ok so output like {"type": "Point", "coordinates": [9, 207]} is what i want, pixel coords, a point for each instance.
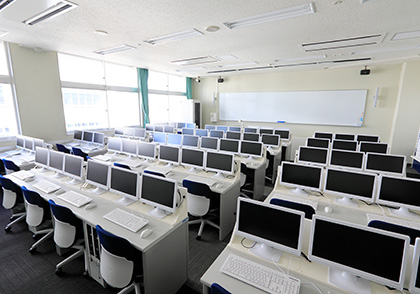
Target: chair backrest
{"type": "Point", "coordinates": [10, 166]}
{"type": "Point", "coordinates": [307, 209]}
{"type": "Point", "coordinates": [62, 148]}
{"type": "Point", "coordinates": [12, 194]}
{"type": "Point", "coordinates": [412, 233]}
{"type": "Point", "coordinates": [121, 165]}
{"type": "Point", "coordinates": [217, 289]}
{"type": "Point", "coordinates": [199, 197]}
{"type": "Point", "coordinates": [117, 259]}
{"type": "Point", "coordinates": [154, 173]}
{"type": "Point", "coordinates": [37, 209]}
{"type": "Point", "coordinates": [79, 152]}
{"type": "Point", "coordinates": [2, 170]}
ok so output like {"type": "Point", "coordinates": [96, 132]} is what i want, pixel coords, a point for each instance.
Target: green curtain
{"type": "Point", "coordinates": [189, 88]}
{"type": "Point", "coordinates": [143, 75]}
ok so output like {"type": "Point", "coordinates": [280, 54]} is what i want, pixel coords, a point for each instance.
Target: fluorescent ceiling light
{"type": "Point", "coordinates": [239, 64]}
{"type": "Point", "coordinates": [3, 33]}
{"type": "Point", "coordinates": [51, 12]}
{"type": "Point", "coordinates": [227, 57]}
{"type": "Point", "coordinates": [114, 49]}
{"type": "Point", "coordinates": [406, 35]}
{"type": "Point", "coordinates": [301, 58]}
{"type": "Point", "coordinates": [195, 60]}
{"type": "Point", "coordinates": [385, 50]}
{"type": "Point", "coordinates": [174, 37]}
{"type": "Point", "coordinates": [271, 16]}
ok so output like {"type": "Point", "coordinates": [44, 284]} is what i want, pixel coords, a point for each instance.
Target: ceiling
{"type": "Point", "coordinates": [295, 43]}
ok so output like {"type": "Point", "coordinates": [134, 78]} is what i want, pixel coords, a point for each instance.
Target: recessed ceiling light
{"type": "Point", "coordinates": [227, 57]}
{"type": "Point", "coordinates": [337, 2]}
{"type": "Point", "coordinates": [301, 58]}
{"type": "Point", "coordinates": [114, 49]}
{"type": "Point", "coordinates": [174, 37]}
{"type": "Point", "coordinates": [406, 35]}
{"type": "Point", "coordinates": [212, 29]}
{"type": "Point", "coordinates": [383, 50]}
{"type": "Point", "coordinates": [3, 33]}
{"type": "Point", "coordinates": [100, 33]}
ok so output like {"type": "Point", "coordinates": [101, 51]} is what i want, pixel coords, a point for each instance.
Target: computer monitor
{"type": "Point", "coordinates": [114, 144]}
{"type": "Point", "coordinates": [180, 125]}
{"type": "Point", "coordinates": [56, 162]}
{"type": "Point", "coordinates": [193, 158]}
{"type": "Point", "coordinates": [347, 159]}
{"type": "Point", "coordinates": [118, 131]}
{"type": "Point", "coordinates": [222, 128]}
{"type": "Point", "coordinates": [159, 128]}
{"type": "Point", "coordinates": [42, 157]}
{"type": "Point", "coordinates": [77, 135]}
{"type": "Point", "coordinates": [228, 145]}
{"type": "Point", "coordinates": [73, 168]}
{"type": "Point", "coordinates": [190, 125]}
{"type": "Point", "coordinates": [367, 138]}
{"type": "Point", "coordinates": [344, 145]}
{"type": "Point", "coordinates": [322, 135]}
{"type": "Point", "coordinates": [147, 150]}
{"type": "Point", "coordinates": [99, 138]}
{"type": "Point", "coordinates": [252, 149]}
{"type": "Point", "coordinates": [301, 177]}
{"type": "Point", "coordinates": [191, 141]}
{"type": "Point", "coordinates": [313, 155]}
{"type": "Point", "coordinates": [220, 163]}
{"type": "Point", "coordinates": [201, 132]}
{"type": "Point", "coordinates": [129, 147]}
{"type": "Point", "coordinates": [186, 131]}
{"type": "Point", "coordinates": [174, 139]}
{"type": "Point", "coordinates": [210, 127]}
{"type": "Point", "coordinates": [20, 142]}
{"type": "Point", "coordinates": [271, 140]}
{"type": "Point", "coordinates": [169, 154]}
{"type": "Point", "coordinates": [233, 135]}
{"type": "Point", "coordinates": [209, 143]}
{"type": "Point", "coordinates": [283, 133]}
{"type": "Point", "coordinates": [356, 253]}
{"type": "Point", "coordinates": [345, 137]}
{"type": "Point", "coordinates": [124, 182]}
{"type": "Point", "coordinates": [216, 134]}
{"type": "Point", "coordinates": [350, 185]}
{"type": "Point", "coordinates": [97, 175]}
{"type": "Point", "coordinates": [385, 163]}
{"type": "Point", "coordinates": [159, 192]}
{"type": "Point", "coordinates": [150, 127]}
{"type": "Point", "coordinates": [159, 137]}
{"type": "Point", "coordinates": [251, 130]}
{"type": "Point", "coordinates": [251, 137]}
{"type": "Point", "coordinates": [414, 286]}
{"type": "Point", "coordinates": [29, 143]}
{"type": "Point", "coordinates": [168, 129]}
{"type": "Point", "coordinates": [129, 132]}
{"type": "Point", "coordinates": [274, 228]}
{"type": "Point", "coordinates": [318, 142]}
{"type": "Point", "coordinates": [373, 147]}
{"type": "Point", "coordinates": [87, 136]}
{"type": "Point", "coordinates": [38, 143]}
{"type": "Point", "coordinates": [400, 192]}
{"type": "Point", "coordinates": [139, 133]}
{"type": "Point", "coordinates": [234, 129]}
{"type": "Point", "coordinates": [267, 131]}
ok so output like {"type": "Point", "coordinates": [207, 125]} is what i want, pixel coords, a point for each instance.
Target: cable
{"type": "Point", "coordinates": [247, 247]}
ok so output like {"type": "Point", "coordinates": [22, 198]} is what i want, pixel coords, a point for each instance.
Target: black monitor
{"type": "Point", "coordinates": [150, 127]}
{"type": "Point", "coordinates": [318, 142]}
{"type": "Point", "coordinates": [77, 134]}
{"type": "Point", "coordinates": [201, 132]}
{"type": "Point", "coordinates": [283, 133]}
{"type": "Point", "coordinates": [159, 128]}
{"type": "Point", "coordinates": [209, 143]}
{"type": "Point", "coordinates": [169, 154]}
{"type": "Point", "coordinates": [228, 145]}
{"type": "Point", "coordinates": [367, 138]}
{"type": "Point", "coordinates": [56, 162]}
{"type": "Point", "coordinates": [119, 131]}
{"type": "Point", "coordinates": [374, 147]}
{"type": "Point", "coordinates": [99, 138]}
{"type": "Point", "coordinates": [356, 253]}
{"type": "Point", "coordinates": [235, 129]}
{"type": "Point", "coordinates": [114, 144]}
{"type": "Point", "coordinates": [251, 137]}
{"type": "Point", "coordinates": [159, 137]}
{"type": "Point", "coordinates": [322, 135]}
{"type": "Point", "coordinates": [29, 143]}
{"type": "Point", "coordinates": [414, 287]}
{"type": "Point", "coordinates": [174, 139]}
{"type": "Point", "coordinates": [87, 136]}
{"type": "Point", "coordinates": [193, 158]}
{"type": "Point", "coordinates": [251, 148]}
{"type": "Point", "coordinates": [191, 141]}
{"type": "Point", "coordinates": [186, 131]}
{"type": "Point", "coordinates": [20, 142]}
{"type": "Point", "coordinates": [344, 145]}
{"type": "Point", "coordinates": [222, 128]}
{"type": "Point", "coordinates": [190, 125]}
{"type": "Point", "coordinates": [129, 147]}
{"type": "Point", "coordinates": [271, 140]}
{"type": "Point", "coordinates": [347, 159]}
{"type": "Point", "coordinates": [210, 127]}
{"type": "Point", "coordinates": [385, 163]}
{"type": "Point", "coordinates": [233, 135]}
{"type": "Point", "coordinates": [124, 182]}
{"type": "Point", "coordinates": [301, 177]}
{"type": "Point", "coordinates": [312, 155]}
{"type": "Point", "coordinates": [180, 125]}
{"type": "Point", "coordinates": [97, 175]}
{"type": "Point", "coordinates": [147, 150]}
{"type": "Point", "coordinates": [250, 130]}
{"type": "Point", "coordinates": [168, 129]}
{"type": "Point", "coordinates": [139, 133]}
{"type": "Point", "coordinates": [42, 156]}
{"type": "Point", "coordinates": [345, 137]}
{"type": "Point", "coordinates": [221, 163]}
{"type": "Point", "coordinates": [73, 167]}
{"type": "Point", "coordinates": [216, 134]}
{"type": "Point", "coordinates": [266, 131]}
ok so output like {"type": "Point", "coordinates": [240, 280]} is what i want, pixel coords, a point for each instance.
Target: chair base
{"type": "Point", "coordinates": [48, 234]}
{"type": "Point", "coordinates": [133, 286]}
{"type": "Point", "coordinates": [78, 253]}
{"type": "Point", "coordinates": [202, 223]}
{"type": "Point", "coordinates": [21, 217]}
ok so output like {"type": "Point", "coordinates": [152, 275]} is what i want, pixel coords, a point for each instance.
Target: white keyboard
{"type": "Point", "coordinates": [260, 276]}
{"type": "Point", "coordinates": [12, 152]}
{"type": "Point", "coordinates": [208, 181]}
{"type": "Point", "coordinates": [313, 204]}
{"type": "Point", "coordinates": [75, 198]}
{"type": "Point", "coordinates": [133, 162]}
{"type": "Point", "coordinates": [162, 169]}
{"type": "Point", "coordinates": [23, 175]}
{"type": "Point", "coordinates": [46, 187]}
{"type": "Point", "coordinates": [401, 222]}
{"type": "Point", "coordinates": [27, 157]}
{"type": "Point", "coordinates": [126, 220]}
{"type": "Point", "coordinates": [72, 144]}
{"type": "Point", "coordinates": [88, 147]}
{"type": "Point", "coordinates": [102, 157]}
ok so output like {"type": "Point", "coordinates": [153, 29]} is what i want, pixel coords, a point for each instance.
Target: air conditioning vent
{"type": "Point", "coordinates": [195, 60]}
{"type": "Point", "coordinates": [5, 3]}
{"type": "Point", "coordinates": [343, 43]}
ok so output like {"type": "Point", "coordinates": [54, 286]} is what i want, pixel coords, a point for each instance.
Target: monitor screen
{"type": "Point", "coordinates": [271, 225]}
{"type": "Point", "coordinates": [251, 148]}
{"type": "Point", "coordinates": [190, 126]}
{"type": "Point", "coordinates": [159, 137]}
{"type": "Point", "coordinates": [228, 145]}
{"type": "Point", "coordinates": [201, 132]}
{"type": "Point", "coordinates": [210, 127]}
{"type": "Point", "coordinates": [216, 134]}
{"type": "Point", "coordinates": [251, 137]}
{"type": "Point", "coordinates": [367, 138]}
{"type": "Point", "coordinates": [123, 182]}
{"type": "Point", "coordinates": [321, 135]}
{"type": "Point", "coordinates": [114, 144]}
{"type": "Point", "coordinates": [219, 162]}
{"type": "Point", "coordinates": [222, 128]}
{"type": "Point", "coordinates": [20, 142]}
{"type": "Point", "coordinates": [147, 150]}
{"type": "Point", "coordinates": [168, 129]}
{"type": "Point", "coordinates": [29, 143]}
{"type": "Point", "coordinates": [284, 134]}
{"type": "Point", "coordinates": [77, 134]}
{"type": "Point", "coordinates": [99, 138]}
{"type": "Point", "coordinates": [374, 147]}
{"type": "Point", "coordinates": [128, 132]}
{"type": "Point", "coordinates": [415, 270]}
{"type": "Point", "coordinates": [250, 130]}
{"type": "Point", "coordinates": [188, 131]}
{"type": "Point", "coordinates": [346, 137]}
{"type": "Point", "coordinates": [139, 133]}
{"type": "Point", "coordinates": [129, 146]}
{"type": "Point", "coordinates": [235, 129]}
{"type": "Point", "coordinates": [56, 160]}
{"type": "Point", "coordinates": [174, 139]}
{"type": "Point", "coordinates": [313, 155]}
{"type": "Point", "coordinates": [119, 131]}
{"type": "Point", "coordinates": [159, 128]}
{"type": "Point", "coordinates": [385, 163]}
{"type": "Point", "coordinates": [169, 154]}
{"type": "Point", "coordinates": [159, 192]}
{"type": "Point", "coordinates": [358, 250]}
{"type": "Point", "coordinates": [318, 142]}
{"type": "Point", "coordinates": [42, 156]}
{"type": "Point", "coordinates": [266, 131]}
{"type": "Point", "coordinates": [233, 135]}
{"type": "Point", "coordinates": [347, 159]}
{"type": "Point", "coordinates": [301, 176]}
{"type": "Point", "coordinates": [192, 157]}
{"type": "Point", "coordinates": [180, 125]}
{"type": "Point", "coordinates": [271, 140]}
{"type": "Point", "coordinates": [97, 173]}
{"type": "Point", "coordinates": [38, 143]}
{"type": "Point", "coordinates": [191, 141]}
{"type": "Point", "coordinates": [150, 127]}
{"type": "Point", "coordinates": [73, 166]}
{"type": "Point", "coordinates": [344, 145]}
{"type": "Point", "coordinates": [87, 136]}
{"type": "Point", "coordinates": [209, 143]}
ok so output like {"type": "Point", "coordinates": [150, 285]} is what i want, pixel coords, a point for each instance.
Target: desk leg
{"type": "Point", "coordinates": [206, 290]}
{"type": "Point", "coordinates": [228, 210]}
{"type": "Point", "coordinates": [259, 182]}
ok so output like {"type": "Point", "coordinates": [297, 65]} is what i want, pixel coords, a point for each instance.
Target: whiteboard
{"type": "Point", "coordinates": [339, 107]}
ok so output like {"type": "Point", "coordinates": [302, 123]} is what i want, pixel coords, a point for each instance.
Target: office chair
{"type": "Point", "coordinates": [412, 233]}
{"type": "Point", "coordinates": [12, 200]}
{"type": "Point", "coordinates": [121, 165]}
{"type": "Point", "coordinates": [217, 289]}
{"type": "Point", "coordinates": [68, 233]}
{"type": "Point", "coordinates": [120, 265]}
{"type": "Point", "coordinates": [307, 209]}
{"type": "Point", "coordinates": [38, 216]}
{"type": "Point", "coordinates": [200, 200]}
{"type": "Point", "coordinates": [10, 166]}
{"type": "Point", "coordinates": [79, 152]}
{"type": "Point", "coordinates": [62, 148]}
{"type": "Point", "coordinates": [247, 181]}
{"type": "Point", "coordinates": [2, 170]}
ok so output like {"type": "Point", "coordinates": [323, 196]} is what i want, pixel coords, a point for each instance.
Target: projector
{"type": "Point", "coordinates": [365, 71]}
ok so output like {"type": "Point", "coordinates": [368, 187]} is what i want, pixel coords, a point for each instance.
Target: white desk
{"type": "Point", "coordinates": [24, 160]}
{"type": "Point", "coordinates": [86, 147]}
{"type": "Point", "coordinates": [258, 165]}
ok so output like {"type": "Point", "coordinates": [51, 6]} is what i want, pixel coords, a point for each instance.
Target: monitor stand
{"type": "Point", "coordinates": [124, 201]}
{"type": "Point", "coordinates": [299, 191]}
{"type": "Point", "coordinates": [219, 175]}
{"type": "Point", "coordinates": [157, 213]}
{"type": "Point", "coordinates": [403, 212]}
{"type": "Point", "coordinates": [349, 282]}
{"type": "Point", "coordinates": [43, 169]}
{"type": "Point", "coordinates": [346, 201]}
{"type": "Point", "coordinates": [98, 191]}
{"type": "Point", "coordinates": [57, 175]}
{"type": "Point", "coordinates": [74, 181]}
{"type": "Point", "coordinates": [193, 170]}
{"type": "Point", "coordinates": [264, 251]}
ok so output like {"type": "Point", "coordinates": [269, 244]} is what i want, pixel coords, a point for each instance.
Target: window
{"type": "Point", "coordinates": [98, 94]}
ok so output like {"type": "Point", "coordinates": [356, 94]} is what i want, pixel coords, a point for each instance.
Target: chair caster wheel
{"type": "Point", "coordinates": [86, 274]}
{"type": "Point", "coordinates": [7, 229]}
{"type": "Point", "coordinates": [58, 271]}
{"type": "Point", "coordinates": [32, 250]}
{"type": "Point", "coordinates": [198, 238]}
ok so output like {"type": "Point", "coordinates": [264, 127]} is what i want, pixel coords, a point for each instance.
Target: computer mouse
{"type": "Point", "coordinates": [59, 192]}
{"type": "Point", "coordinates": [90, 206]}
{"type": "Point", "coordinates": [328, 209]}
{"type": "Point", "coordinates": [146, 233]}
